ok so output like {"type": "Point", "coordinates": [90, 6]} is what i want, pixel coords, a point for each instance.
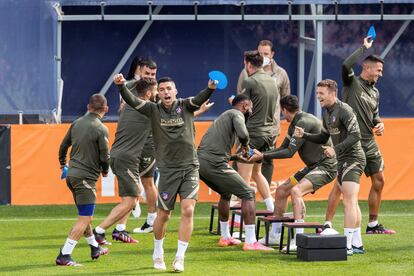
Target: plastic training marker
{"type": "Point", "coordinates": [219, 77]}
{"type": "Point", "coordinates": [64, 172]}
{"type": "Point", "coordinates": [372, 33]}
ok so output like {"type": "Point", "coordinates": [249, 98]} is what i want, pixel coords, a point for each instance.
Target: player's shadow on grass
{"type": "Point", "coordinates": [22, 267]}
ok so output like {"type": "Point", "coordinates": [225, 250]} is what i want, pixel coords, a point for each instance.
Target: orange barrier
{"type": "Point", "coordinates": [35, 173]}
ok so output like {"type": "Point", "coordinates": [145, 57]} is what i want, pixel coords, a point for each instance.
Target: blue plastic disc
{"type": "Point", "coordinates": [372, 33]}
{"type": "Point", "coordinates": [220, 77]}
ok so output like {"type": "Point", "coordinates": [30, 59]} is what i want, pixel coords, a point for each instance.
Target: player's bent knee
{"type": "Point", "coordinates": [86, 210]}
{"type": "Point", "coordinates": [163, 215]}
{"type": "Point", "coordinates": [283, 191]}
{"type": "Point", "coordinates": [129, 202]}
{"type": "Point", "coordinates": [248, 194]}
{"type": "Point", "coordinates": [296, 192]}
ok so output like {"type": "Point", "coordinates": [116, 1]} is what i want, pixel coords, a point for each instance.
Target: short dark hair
{"type": "Point", "coordinates": [266, 42]}
{"type": "Point", "coordinates": [143, 85]}
{"type": "Point", "coordinates": [97, 103]}
{"type": "Point", "coordinates": [328, 83]}
{"type": "Point", "coordinates": [165, 79]}
{"type": "Point", "coordinates": [140, 62]}
{"type": "Point", "coordinates": [254, 58]}
{"type": "Point", "coordinates": [290, 103]}
{"type": "Point", "coordinates": [240, 98]}
{"type": "Point", "coordinates": [374, 59]}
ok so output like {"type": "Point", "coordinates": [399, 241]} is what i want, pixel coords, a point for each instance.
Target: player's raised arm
{"type": "Point", "coordinates": [142, 86]}
{"type": "Point", "coordinates": [204, 94]}
{"type": "Point", "coordinates": [347, 71]}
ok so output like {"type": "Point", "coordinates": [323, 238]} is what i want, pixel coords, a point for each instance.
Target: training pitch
{"type": "Point", "coordinates": [30, 238]}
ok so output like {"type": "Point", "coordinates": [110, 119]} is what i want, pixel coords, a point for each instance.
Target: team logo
{"type": "Point", "coordinates": [164, 195]}
{"type": "Point", "coordinates": [178, 110]}
{"type": "Point", "coordinates": [333, 119]}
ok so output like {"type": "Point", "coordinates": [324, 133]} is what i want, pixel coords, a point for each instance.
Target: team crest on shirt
{"type": "Point", "coordinates": [178, 110]}
{"type": "Point", "coordinates": [164, 195]}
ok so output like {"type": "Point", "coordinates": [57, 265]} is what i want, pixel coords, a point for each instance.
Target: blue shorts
{"type": "Point", "coordinates": [86, 210]}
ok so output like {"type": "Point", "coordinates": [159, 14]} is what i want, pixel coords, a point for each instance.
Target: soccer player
{"type": "Point", "coordinates": [362, 95]}
{"type": "Point", "coordinates": [214, 153]}
{"type": "Point", "coordinates": [89, 157]}
{"type": "Point", "coordinates": [281, 77]}
{"type": "Point", "coordinates": [132, 156]}
{"type": "Point", "coordinates": [340, 123]}
{"type": "Point", "coordinates": [172, 127]}
{"type": "Point", "coordinates": [143, 68]}
{"type": "Point", "coordinates": [319, 171]}
{"type": "Point", "coordinates": [263, 92]}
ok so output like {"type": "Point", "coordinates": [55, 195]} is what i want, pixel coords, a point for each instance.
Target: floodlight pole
{"type": "Point", "coordinates": [301, 59]}
{"type": "Point", "coordinates": [319, 56]}
{"type": "Point", "coordinates": [57, 113]}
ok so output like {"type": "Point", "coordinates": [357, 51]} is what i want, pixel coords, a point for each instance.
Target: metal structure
{"type": "Point", "coordinates": [316, 16]}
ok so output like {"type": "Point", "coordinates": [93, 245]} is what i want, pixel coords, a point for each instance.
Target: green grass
{"type": "Point", "coordinates": [30, 238]}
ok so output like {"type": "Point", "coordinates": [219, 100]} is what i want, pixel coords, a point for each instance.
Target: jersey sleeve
{"type": "Point", "coordinates": [347, 71]}
{"type": "Point", "coordinates": [349, 120]}
{"type": "Point", "coordinates": [247, 88]}
{"type": "Point", "coordinates": [103, 144]}
{"type": "Point", "coordinates": [64, 146]}
{"type": "Point", "coordinates": [242, 77]}
{"type": "Point", "coordinates": [194, 103]}
{"type": "Point", "coordinates": [289, 146]}
{"type": "Point", "coordinates": [240, 128]}
{"type": "Point", "coordinates": [318, 138]}
{"type": "Point", "coordinates": [376, 118]}
{"type": "Point", "coordinates": [141, 106]}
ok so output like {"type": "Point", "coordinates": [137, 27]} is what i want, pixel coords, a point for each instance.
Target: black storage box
{"type": "Point", "coordinates": [315, 247]}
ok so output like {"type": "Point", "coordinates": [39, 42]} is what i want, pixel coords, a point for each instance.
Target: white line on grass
{"type": "Point", "coordinates": [177, 217]}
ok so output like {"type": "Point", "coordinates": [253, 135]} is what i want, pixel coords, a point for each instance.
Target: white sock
{"type": "Point", "coordinates": [356, 237]}
{"type": "Point", "coordinates": [136, 212]}
{"type": "Point", "coordinates": [373, 223]}
{"type": "Point", "coordinates": [300, 230]}
{"type": "Point", "coordinates": [270, 206]}
{"type": "Point", "coordinates": [120, 227]}
{"type": "Point", "coordinates": [91, 241]}
{"type": "Point", "coordinates": [224, 229]}
{"type": "Point", "coordinates": [69, 246]}
{"type": "Point", "coordinates": [182, 247]}
{"type": "Point", "coordinates": [158, 248]}
{"type": "Point", "coordinates": [99, 230]}
{"type": "Point", "coordinates": [327, 222]}
{"type": "Point", "coordinates": [276, 228]}
{"type": "Point", "coordinates": [348, 232]}
{"type": "Point", "coordinates": [237, 218]}
{"type": "Point", "coordinates": [250, 233]}
{"type": "Point", "coordinates": [151, 218]}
